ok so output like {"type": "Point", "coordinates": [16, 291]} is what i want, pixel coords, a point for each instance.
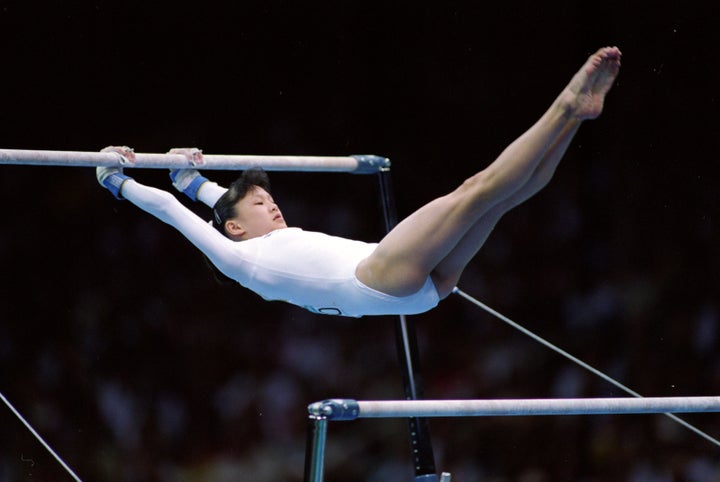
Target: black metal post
{"type": "Point", "coordinates": [315, 449]}
{"type": "Point", "coordinates": [423, 457]}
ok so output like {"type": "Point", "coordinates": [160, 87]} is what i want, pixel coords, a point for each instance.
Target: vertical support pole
{"type": "Point", "coordinates": [422, 452]}
{"type": "Point", "coordinates": [315, 449]}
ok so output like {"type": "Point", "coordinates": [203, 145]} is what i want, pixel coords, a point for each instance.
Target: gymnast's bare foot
{"type": "Point", "coordinates": [584, 97]}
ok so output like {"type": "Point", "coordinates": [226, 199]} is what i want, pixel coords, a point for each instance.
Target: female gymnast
{"type": "Point", "coordinates": [416, 264]}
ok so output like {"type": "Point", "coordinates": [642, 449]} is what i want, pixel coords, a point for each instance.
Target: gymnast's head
{"type": "Point", "coordinates": [247, 210]}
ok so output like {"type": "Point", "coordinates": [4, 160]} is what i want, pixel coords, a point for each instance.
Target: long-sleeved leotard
{"type": "Point", "coordinates": [308, 269]}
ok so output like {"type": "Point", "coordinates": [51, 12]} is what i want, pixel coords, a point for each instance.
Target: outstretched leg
{"type": "Point", "coordinates": [440, 238]}
{"type": "Point", "coordinates": [448, 271]}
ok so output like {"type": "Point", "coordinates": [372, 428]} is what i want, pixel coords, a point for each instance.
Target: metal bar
{"type": "Point", "coordinates": [356, 164]}
{"type": "Point", "coordinates": [406, 341]}
{"type": "Point", "coordinates": [315, 449]}
{"type": "Point", "coordinates": [579, 362]}
{"type": "Point", "coordinates": [39, 438]}
{"type": "Point", "coordinates": [351, 409]}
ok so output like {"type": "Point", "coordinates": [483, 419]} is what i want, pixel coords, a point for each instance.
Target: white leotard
{"type": "Point", "coordinates": [308, 269]}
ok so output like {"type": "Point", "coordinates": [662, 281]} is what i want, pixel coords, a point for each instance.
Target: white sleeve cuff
{"type": "Point", "coordinates": [209, 193]}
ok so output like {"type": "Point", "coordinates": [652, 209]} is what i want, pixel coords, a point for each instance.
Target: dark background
{"type": "Point", "coordinates": [126, 356]}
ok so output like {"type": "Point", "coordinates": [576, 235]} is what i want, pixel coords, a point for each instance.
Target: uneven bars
{"type": "Point", "coordinates": [348, 409]}
{"type": "Point", "coordinates": [355, 164]}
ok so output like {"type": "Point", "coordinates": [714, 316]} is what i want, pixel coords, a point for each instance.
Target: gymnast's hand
{"type": "Point", "coordinates": [188, 181]}
{"type": "Point", "coordinates": [112, 177]}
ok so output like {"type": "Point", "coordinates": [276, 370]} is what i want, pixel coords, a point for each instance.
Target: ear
{"type": "Point", "coordinates": [234, 230]}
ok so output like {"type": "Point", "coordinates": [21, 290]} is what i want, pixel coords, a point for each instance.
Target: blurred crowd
{"type": "Point", "coordinates": [122, 351]}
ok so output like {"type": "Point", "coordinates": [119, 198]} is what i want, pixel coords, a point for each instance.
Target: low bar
{"type": "Point", "coordinates": [346, 409]}
{"type": "Point", "coordinates": [356, 164]}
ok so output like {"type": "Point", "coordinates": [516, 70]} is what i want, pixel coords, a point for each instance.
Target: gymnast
{"type": "Point", "coordinates": [415, 265]}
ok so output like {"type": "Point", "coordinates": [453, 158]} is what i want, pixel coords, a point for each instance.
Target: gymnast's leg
{"type": "Point", "coordinates": [441, 237]}
{"type": "Point", "coordinates": [447, 273]}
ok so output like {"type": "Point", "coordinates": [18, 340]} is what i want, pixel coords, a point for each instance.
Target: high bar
{"type": "Point", "coordinates": [348, 409]}
{"type": "Point", "coordinates": [355, 164]}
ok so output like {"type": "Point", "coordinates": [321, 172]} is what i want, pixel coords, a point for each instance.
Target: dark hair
{"type": "Point", "coordinates": [224, 209]}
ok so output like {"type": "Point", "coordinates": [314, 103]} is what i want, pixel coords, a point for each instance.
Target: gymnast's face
{"type": "Point", "coordinates": [256, 215]}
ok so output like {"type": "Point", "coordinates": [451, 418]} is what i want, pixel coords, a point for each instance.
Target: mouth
{"type": "Point", "coordinates": [277, 217]}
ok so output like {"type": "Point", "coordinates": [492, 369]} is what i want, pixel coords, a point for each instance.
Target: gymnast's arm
{"type": "Point", "coordinates": [225, 254]}
{"type": "Point", "coordinates": [196, 186]}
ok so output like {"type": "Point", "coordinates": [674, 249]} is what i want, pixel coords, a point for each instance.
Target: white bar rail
{"type": "Point", "coordinates": [356, 164]}
{"type": "Point", "coordinates": [345, 409]}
